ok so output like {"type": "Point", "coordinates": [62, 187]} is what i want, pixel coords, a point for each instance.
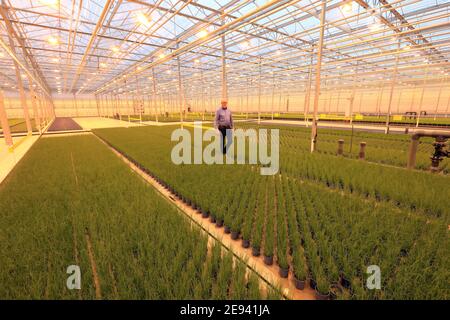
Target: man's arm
{"type": "Point", "coordinates": [231, 120]}
{"type": "Point", "coordinates": [216, 120]}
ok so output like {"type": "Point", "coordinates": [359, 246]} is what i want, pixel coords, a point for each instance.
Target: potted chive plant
{"type": "Point", "coordinates": [227, 222]}
{"type": "Point", "coordinates": [283, 265]}
{"type": "Point", "coordinates": [235, 230]}
{"type": "Point", "coordinates": [246, 233]}
{"type": "Point", "coordinates": [268, 249]}
{"type": "Point", "coordinates": [322, 288]}
{"type": "Point", "coordinates": [300, 269]}
{"type": "Point", "coordinates": [256, 250]}
{"type": "Point", "coordinates": [300, 278]}
{"type": "Point", "coordinates": [219, 217]}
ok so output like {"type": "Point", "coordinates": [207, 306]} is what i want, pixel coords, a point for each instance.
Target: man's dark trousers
{"type": "Point", "coordinates": [223, 134]}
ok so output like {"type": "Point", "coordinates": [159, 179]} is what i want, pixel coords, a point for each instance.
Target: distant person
{"type": "Point", "coordinates": [223, 121]}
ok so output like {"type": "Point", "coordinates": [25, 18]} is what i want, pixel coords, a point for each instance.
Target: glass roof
{"type": "Point", "coordinates": [121, 47]}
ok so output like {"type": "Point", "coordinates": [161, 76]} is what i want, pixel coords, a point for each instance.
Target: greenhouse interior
{"type": "Point", "coordinates": [224, 150]}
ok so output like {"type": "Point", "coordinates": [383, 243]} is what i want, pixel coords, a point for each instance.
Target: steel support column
{"type": "Point", "coordinates": [318, 71]}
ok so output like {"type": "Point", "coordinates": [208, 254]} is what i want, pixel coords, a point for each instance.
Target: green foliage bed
{"type": "Point", "coordinates": [19, 125]}
{"type": "Point", "coordinates": [380, 148]}
{"type": "Point", "coordinates": [428, 121]}
{"type": "Point", "coordinates": [325, 218]}
{"type": "Point", "coordinates": [71, 187]}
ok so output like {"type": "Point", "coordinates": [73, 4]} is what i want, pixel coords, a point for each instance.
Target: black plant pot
{"type": "Point", "coordinates": [345, 283]}
{"type": "Point", "coordinates": [219, 223]}
{"type": "Point", "coordinates": [255, 252]}
{"type": "Point", "coordinates": [268, 260]}
{"type": "Point", "coordinates": [212, 219]}
{"type": "Point", "coordinates": [227, 229]}
{"type": "Point", "coordinates": [245, 243]}
{"type": "Point", "coordinates": [312, 284]}
{"type": "Point", "coordinates": [299, 284]}
{"type": "Point", "coordinates": [189, 202]}
{"type": "Point", "coordinates": [321, 296]}
{"type": "Point", "coordinates": [234, 235]}
{"type": "Point", "coordinates": [283, 272]}
{"type": "Point", "coordinates": [205, 214]}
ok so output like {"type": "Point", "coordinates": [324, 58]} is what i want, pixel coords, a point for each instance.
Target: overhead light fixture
{"type": "Point", "coordinates": [103, 65]}
{"type": "Point", "coordinates": [56, 60]}
{"type": "Point", "coordinates": [53, 40]}
{"type": "Point", "coordinates": [202, 34]}
{"type": "Point", "coordinates": [2, 55]}
{"type": "Point", "coordinates": [245, 44]}
{"type": "Point", "coordinates": [347, 8]}
{"type": "Point", "coordinates": [142, 19]}
{"type": "Point", "coordinates": [162, 56]}
{"type": "Point", "coordinates": [115, 49]}
{"type": "Point", "coordinates": [197, 61]}
{"type": "Point", "coordinates": [50, 3]}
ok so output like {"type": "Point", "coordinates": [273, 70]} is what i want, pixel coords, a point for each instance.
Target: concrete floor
{"type": "Point", "coordinates": [8, 160]}
{"type": "Point", "coordinates": [88, 123]}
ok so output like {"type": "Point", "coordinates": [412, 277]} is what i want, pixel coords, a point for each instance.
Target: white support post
{"type": "Point", "coordinates": [34, 104]}
{"type": "Point", "coordinates": [391, 93]}
{"type": "Point", "coordinates": [318, 71]}
{"type": "Point", "coordinates": [273, 94]}
{"type": "Point", "coordinates": [247, 98]}
{"type": "Point", "coordinates": [180, 90]}
{"type": "Point", "coordinates": [259, 90]}
{"type": "Point", "coordinates": [154, 94]}
{"type": "Point", "coordinates": [308, 90]}
{"type": "Point", "coordinates": [421, 96]}
{"type": "Point", "coordinates": [224, 69]}
{"type": "Point", "coordinates": [23, 99]}
{"type": "Point", "coordinates": [202, 94]}
{"type": "Point", "coordinates": [4, 122]}
{"type": "Point", "coordinates": [76, 104]}
{"type": "Point", "coordinates": [438, 99]}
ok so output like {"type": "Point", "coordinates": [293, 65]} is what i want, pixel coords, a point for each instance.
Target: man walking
{"type": "Point", "coordinates": [224, 123]}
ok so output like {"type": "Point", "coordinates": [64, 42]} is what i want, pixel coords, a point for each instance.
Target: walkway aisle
{"type": "Point", "coordinates": [64, 124]}
{"type": "Point", "coordinates": [88, 123]}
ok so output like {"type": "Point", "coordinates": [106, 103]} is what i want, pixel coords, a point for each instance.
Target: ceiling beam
{"type": "Point", "coordinates": [98, 27]}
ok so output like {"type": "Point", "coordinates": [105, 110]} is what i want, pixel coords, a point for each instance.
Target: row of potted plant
{"type": "Point", "coordinates": [330, 237]}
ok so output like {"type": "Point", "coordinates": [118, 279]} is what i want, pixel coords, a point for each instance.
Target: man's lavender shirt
{"type": "Point", "coordinates": [223, 118]}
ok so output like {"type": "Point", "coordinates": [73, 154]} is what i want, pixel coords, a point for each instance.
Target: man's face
{"type": "Point", "coordinates": [224, 104]}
